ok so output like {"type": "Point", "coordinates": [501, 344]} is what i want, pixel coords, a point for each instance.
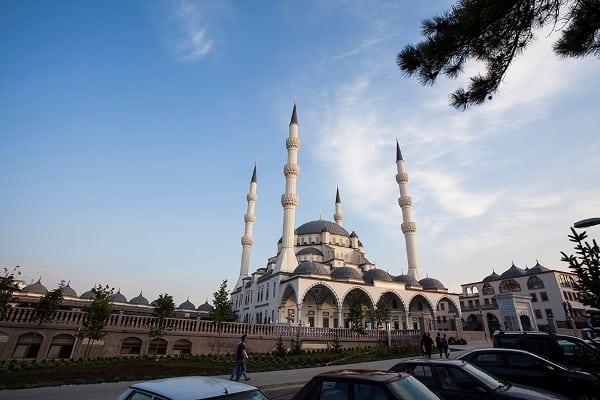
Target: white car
{"type": "Point", "coordinates": [192, 388]}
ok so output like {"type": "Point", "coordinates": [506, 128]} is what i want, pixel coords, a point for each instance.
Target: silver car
{"type": "Point", "coordinates": [192, 388]}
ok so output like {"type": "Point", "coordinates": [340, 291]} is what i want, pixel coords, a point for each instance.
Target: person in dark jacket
{"type": "Point", "coordinates": [423, 347]}
{"type": "Point", "coordinates": [438, 344]}
{"type": "Point", "coordinates": [240, 361]}
{"type": "Point", "coordinates": [428, 345]}
{"type": "Point", "coordinates": [445, 347]}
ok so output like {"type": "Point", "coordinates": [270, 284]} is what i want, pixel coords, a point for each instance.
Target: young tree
{"type": "Point", "coordinates": [222, 309]}
{"type": "Point", "coordinates": [382, 311]}
{"type": "Point", "coordinates": [8, 285]}
{"type": "Point", "coordinates": [586, 264]}
{"type": "Point", "coordinates": [356, 313]}
{"type": "Point", "coordinates": [164, 308]}
{"type": "Point", "coordinates": [494, 32]}
{"type": "Point", "coordinates": [49, 304]}
{"type": "Point", "coordinates": [98, 312]}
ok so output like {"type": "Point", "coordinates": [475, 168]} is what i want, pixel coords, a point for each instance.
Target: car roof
{"type": "Point", "coordinates": [192, 387]}
{"type": "Point", "coordinates": [364, 375]}
{"type": "Point", "coordinates": [440, 361]}
{"type": "Point", "coordinates": [536, 334]}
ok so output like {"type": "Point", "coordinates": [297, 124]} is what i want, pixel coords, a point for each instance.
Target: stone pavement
{"type": "Point", "coordinates": [268, 381]}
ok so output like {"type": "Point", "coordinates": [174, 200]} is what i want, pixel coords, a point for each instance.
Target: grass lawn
{"type": "Point", "coordinates": [52, 373]}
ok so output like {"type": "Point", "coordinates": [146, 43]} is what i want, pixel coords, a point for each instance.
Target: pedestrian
{"type": "Point", "coordinates": [423, 344]}
{"type": "Point", "coordinates": [445, 347]}
{"type": "Point", "coordinates": [438, 344]}
{"type": "Point", "coordinates": [240, 361]}
{"type": "Point", "coordinates": [428, 345]}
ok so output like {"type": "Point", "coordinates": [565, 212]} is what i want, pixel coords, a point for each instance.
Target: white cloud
{"type": "Point", "coordinates": [190, 41]}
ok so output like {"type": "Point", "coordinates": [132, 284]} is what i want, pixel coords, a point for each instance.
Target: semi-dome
{"type": "Point", "coordinates": [89, 295]}
{"type": "Point", "coordinates": [319, 226]}
{"type": "Point", "coordinates": [491, 277]}
{"type": "Point", "coordinates": [68, 291]}
{"type": "Point", "coordinates": [205, 307]}
{"type": "Point", "coordinates": [311, 268]}
{"type": "Point", "coordinates": [537, 268]}
{"type": "Point", "coordinates": [343, 273]}
{"type": "Point", "coordinates": [139, 300]}
{"type": "Point", "coordinates": [376, 274]}
{"type": "Point", "coordinates": [36, 287]}
{"type": "Point", "coordinates": [512, 272]}
{"type": "Point", "coordinates": [432, 284]}
{"type": "Point", "coordinates": [408, 280]}
{"type": "Point", "coordinates": [118, 297]}
{"type": "Point", "coordinates": [310, 251]}
{"type": "Point", "coordinates": [187, 305]}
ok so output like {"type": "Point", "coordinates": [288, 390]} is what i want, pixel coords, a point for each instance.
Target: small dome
{"type": "Point", "coordinates": [139, 300]}
{"type": "Point", "coordinates": [89, 295]}
{"type": "Point", "coordinates": [118, 297]}
{"type": "Point", "coordinates": [310, 251]}
{"type": "Point", "coordinates": [345, 272]}
{"type": "Point", "coordinates": [205, 307]}
{"type": "Point", "coordinates": [408, 280]}
{"type": "Point", "coordinates": [537, 268]}
{"type": "Point", "coordinates": [311, 268]}
{"type": "Point", "coordinates": [491, 277]}
{"type": "Point", "coordinates": [376, 274]}
{"type": "Point", "coordinates": [512, 272]}
{"type": "Point", "coordinates": [36, 287]}
{"type": "Point", "coordinates": [187, 305]}
{"type": "Point", "coordinates": [432, 284]}
{"type": "Point", "coordinates": [319, 226]}
{"type": "Point", "coordinates": [68, 291]}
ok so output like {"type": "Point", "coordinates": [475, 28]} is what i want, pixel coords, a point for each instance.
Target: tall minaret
{"type": "Point", "coordinates": [339, 215]}
{"type": "Point", "coordinates": [286, 260]}
{"type": "Point", "coordinates": [409, 228]}
{"type": "Point", "coordinates": [249, 227]}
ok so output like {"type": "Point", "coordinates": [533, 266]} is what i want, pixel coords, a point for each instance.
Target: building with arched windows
{"type": "Point", "coordinates": [320, 268]}
{"type": "Point", "coordinates": [523, 299]}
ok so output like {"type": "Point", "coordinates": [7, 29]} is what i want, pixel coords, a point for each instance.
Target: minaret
{"type": "Point", "coordinates": [249, 227]}
{"type": "Point", "coordinates": [286, 260]}
{"type": "Point", "coordinates": [339, 215]}
{"type": "Point", "coordinates": [409, 228]}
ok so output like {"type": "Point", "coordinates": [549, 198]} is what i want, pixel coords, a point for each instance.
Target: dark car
{"type": "Point", "coordinates": [361, 384]}
{"type": "Point", "coordinates": [457, 379]}
{"type": "Point", "coordinates": [565, 350]}
{"type": "Point", "coordinates": [519, 366]}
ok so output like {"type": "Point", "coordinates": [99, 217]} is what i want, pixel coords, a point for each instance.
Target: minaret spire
{"type": "Point", "coordinates": [286, 259]}
{"type": "Point", "coordinates": [249, 218]}
{"type": "Point", "coordinates": [339, 215]}
{"type": "Point", "coordinates": [409, 228]}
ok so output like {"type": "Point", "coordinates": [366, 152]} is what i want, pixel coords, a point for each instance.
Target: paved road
{"type": "Point", "coordinates": [278, 384]}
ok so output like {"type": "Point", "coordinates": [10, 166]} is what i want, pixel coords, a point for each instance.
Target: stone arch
{"type": "Point", "coordinates": [157, 346]}
{"type": "Point", "coordinates": [451, 302]}
{"type": "Point", "coordinates": [324, 285]}
{"type": "Point", "coordinates": [61, 346]}
{"type": "Point", "coordinates": [395, 294]}
{"type": "Point", "coordinates": [182, 346]}
{"type": "Point", "coordinates": [288, 292]}
{"type": "Point", "coordinates": [420, 297]}
{"type": "Point", "coordinates": [358, 288]}
{"type": "Point", "coordinates": [493, 322]}
{"type": "Point", "coordinates": [28, 345]}
{"type": "Point", "coordinates": [131, 345]}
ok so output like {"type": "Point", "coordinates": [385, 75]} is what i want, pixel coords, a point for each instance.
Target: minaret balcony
{"type": "Point", "coordinates": [247, 241]}
{"type": "Point", "coordinates": [251, 197]}
{"type": "Point", "coordinates": [289, 200]}
{"type": "Point", "coordinates": [408, 227]}
{"type": "Point", "coordinates": [405, 201]}
{"type": "Point", "coordinates": [291, 169]}
{"type": "Point", "coordinates": [292, 143]}
{"type": "Point", "coordinates": [402, 177]}
{"type": "Point", "coordinates": [249, 218]}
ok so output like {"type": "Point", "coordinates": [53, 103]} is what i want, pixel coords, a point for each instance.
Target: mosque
{"type": "Point", "coordinates": [320, 266]}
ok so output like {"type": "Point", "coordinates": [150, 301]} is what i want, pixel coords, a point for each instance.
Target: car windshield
{"type": "Point", "coordinates": [483, 377]}
{"type": "Point", "coordinates": [410, 388]}
{"type": "Point", "coordinates": [249, 395]}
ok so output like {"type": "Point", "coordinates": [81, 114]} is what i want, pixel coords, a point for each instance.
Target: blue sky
{"type": "Point", "coordinates": [128, 131]}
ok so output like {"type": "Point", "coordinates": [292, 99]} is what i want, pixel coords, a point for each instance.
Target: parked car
{"type": "Point", "coordinates": [458, 380]}
{"type": "Point", "coordinates": [361, 384]}
{"type": "Point", "coordinates": [519, 366]}
{"type": "Point", "coordinates": [565, 350]}
{"type": "Point", "coordinates": [591, 336]}
{"type": "Point", "coordinates": [191, 388]}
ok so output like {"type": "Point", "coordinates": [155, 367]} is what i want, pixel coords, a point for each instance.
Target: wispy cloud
{"type": "Point", "coordinates": [189, 41]}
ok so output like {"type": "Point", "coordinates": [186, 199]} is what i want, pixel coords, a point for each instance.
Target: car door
{"type": "Point", "coordinates": [530, 370]}
{"type": "Point", "coordinates": [455, 384]}
{"type": "Point", "coordinates": [494, 363]}
{"type": "Point", "coordinates": [423, 373]}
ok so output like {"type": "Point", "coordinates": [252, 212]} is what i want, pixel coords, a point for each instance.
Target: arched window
{"type": "Point", "coordinates": [61, 346]}
{"type": "Point", "coordinates": [182, 346]}
{"type": "Point", "coordinates": [28, 345]}
{"type": "Point", "coordinates": [534, 282]}
{"type": "Point", "coordinates": [488, 289]}
{"type": "Point", "coordinates": [158, 347]}
{"type": "Point", "coordinates": [131, 345]}
{"type": "Point", "coordinates": [509, 285]}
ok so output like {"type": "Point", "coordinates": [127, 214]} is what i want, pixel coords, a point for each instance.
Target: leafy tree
{"type": "Point", "coordinates": [222, 309]}
{"type": "Point", "coordinates": [8, 285]}
{"type": "Point", "coordinates": [49, 304]}
{"type": "Point", "coordinates": [164, 308]}
{"type": "Point", "coordinates": [494, 32]}
{"type": "Point", "coordinates": [98, 312]}
{"type": "Point", "coordinates": [382, 311]}
{"type": "Point", "coordinates": [356, 313]}
{"type": "Point", "coordinates": [586, 264]}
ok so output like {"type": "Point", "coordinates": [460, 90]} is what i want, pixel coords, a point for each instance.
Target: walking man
{"type": "Point", "coordinates": [438, 344]}
{"type": "Point", "coordinates": [240, 361]}
{"type": "Point", "coordinates": [428, 345]}
{"type": "Point", "coordinates": [445, 347]}
{"type": "Point", "coordinates": [423, 344]}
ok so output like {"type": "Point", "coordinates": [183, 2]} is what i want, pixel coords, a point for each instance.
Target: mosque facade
{"type": "Point", "coordinates": [321, 267]}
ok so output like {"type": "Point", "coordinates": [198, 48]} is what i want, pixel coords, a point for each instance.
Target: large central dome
{"type": "Point", "coordinates": [319, 226]}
